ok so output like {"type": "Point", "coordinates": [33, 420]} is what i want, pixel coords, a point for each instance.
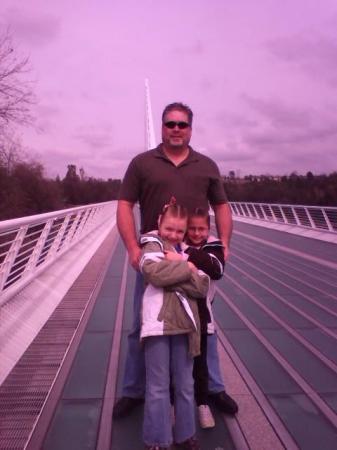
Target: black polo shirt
{"type": "Point", "coordinates": [152, 179]}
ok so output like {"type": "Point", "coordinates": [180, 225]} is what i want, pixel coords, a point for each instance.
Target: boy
{"type": "Point", "coordinates": [206, 253]}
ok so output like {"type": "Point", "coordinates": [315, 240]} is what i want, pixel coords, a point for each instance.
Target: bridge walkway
{"type": "Point", "coordinates": [276, 313]}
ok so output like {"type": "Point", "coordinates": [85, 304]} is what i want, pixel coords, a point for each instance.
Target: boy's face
{"type": "Point", "coordinates": [197, 231]}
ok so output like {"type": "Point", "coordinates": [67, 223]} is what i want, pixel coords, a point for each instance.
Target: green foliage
{"type": "Point", "coordinates": [83, 191]}
{"type": "Point", "coordinates": [24, 190]}
{"type": "Point", "coordinates": [294, 189]}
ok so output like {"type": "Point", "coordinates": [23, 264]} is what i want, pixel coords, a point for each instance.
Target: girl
{"type": "Point", "coordinates": [170, 331]}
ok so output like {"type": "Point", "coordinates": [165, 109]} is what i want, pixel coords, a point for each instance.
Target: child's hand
{"type": "Point", "coordinates": [172, 256]}
{"type": "Point", "coordinates": [192, 266]}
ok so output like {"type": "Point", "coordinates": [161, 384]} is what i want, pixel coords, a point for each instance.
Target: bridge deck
{"type": "Point", "coordinates": [276, 312]}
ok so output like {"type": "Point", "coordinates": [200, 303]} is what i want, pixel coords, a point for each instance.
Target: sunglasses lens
{"type": "Point", "coordinates": [180, 125]}
{"type": "Point", "coordinates": [170, 125]}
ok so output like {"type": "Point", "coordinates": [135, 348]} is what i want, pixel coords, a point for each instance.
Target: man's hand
{"type": "Point", "coordinates": [224, 224]}
{"type": "Point", "coordinates": [173, 256]}
{"type": "Point", "coordinates": [226, 251]}
{"type": "Point", "coordinates": [127, 230]}
{"type": "Point", "coordinates": [134, 257]}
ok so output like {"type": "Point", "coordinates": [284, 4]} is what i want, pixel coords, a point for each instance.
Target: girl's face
{"type": "Point", "coordinates": [172, 229]}
{"type": "Point", "coordinates": [197, 230]}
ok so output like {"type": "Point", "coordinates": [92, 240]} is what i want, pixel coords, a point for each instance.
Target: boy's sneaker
{"type": "Point", "coordinates": [224, 402]}
{"type": "Point", "coordinates": [189, 444]}
{"type": "Point", "coordinates": [155, 447]}
{"type": "Point", "coordinates": [206, 419]}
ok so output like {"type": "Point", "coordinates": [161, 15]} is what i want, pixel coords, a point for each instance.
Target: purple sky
{"type": "Point", "coordinates": [260, 76]}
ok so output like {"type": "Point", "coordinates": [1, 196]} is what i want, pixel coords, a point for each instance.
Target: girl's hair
{"type": "Point", "coordinates": [200, 212]}
{"type": "Point", "coordinates": [173, 210]}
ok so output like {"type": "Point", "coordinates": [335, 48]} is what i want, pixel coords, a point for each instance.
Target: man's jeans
{"type": "Point", "coordinates": [165, 356]}
{"type": "Point", "coordinates": [134, 374]}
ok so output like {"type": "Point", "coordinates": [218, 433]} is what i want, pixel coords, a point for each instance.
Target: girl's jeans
{"type": "Point", "coordinates": [165, 355]}
{"type": "Point", "coordinates": [134, 374]}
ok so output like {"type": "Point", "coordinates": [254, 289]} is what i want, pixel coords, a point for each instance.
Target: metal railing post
{"type": "Point", "coordinates": [56, 244]}
{"type": "Point", "coordinates": [284, 217]}
{"type": "Point", "coordinates": [38, 247]}
{"type": "Point", "coordinates": [312, 223]}
{"type": "Point", "coordinates": [298, 222]}
{"type": "Point", "coordinates": [10, 258]}
{"type": "Point", "coordinates": [327, 220]}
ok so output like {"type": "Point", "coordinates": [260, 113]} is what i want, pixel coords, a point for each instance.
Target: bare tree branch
{"type": "Point", "coordinates": [16, 94]}
{"type": "Point", "coordinates": [11, 151]}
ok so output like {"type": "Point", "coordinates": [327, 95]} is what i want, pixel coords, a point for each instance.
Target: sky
{"type": "Point", "coordinates": [259, 75]}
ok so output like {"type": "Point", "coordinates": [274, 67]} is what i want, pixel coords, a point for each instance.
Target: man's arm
{"type": "Point", "coordinates": [127, 229]}
{"type": "Point", "coordinates": [224, 225]}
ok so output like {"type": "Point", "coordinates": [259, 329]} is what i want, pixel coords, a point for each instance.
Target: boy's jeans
{"type": "Point", "coordinates": [134, 374]}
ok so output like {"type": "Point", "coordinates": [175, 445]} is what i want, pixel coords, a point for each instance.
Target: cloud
{"type": "Point", "coordinates": [34, 29]}
{"type": "Point", "coordinates": [278, 113]}
{"type": "Point", "coordinates": [109, 168]}
{"type": "Point", "coordinates": [94, 138]}
{"type": "Point", "coordinates": [276, 136]}
{"type": "Point", "coordinates": [46, 114]}
{"type": "Point", "coordinates": [286, 124]}
{"type": "Point", "coordinates": [312, 52]}
{"type": "Point", "coordinates": [207, 84]}
{"type": "Point", "coordinates": [232, 121]}
{"type": "Point", "coordinates": [197, 48]}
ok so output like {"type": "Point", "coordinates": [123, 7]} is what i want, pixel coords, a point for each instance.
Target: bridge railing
{"type": "Point", "coordinates": [314, 217]}
{"type": "Point", "coordinates": [29, 244]}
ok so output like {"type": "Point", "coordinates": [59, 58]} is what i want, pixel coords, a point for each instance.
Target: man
{"type": "Point", "coordinates": [152, 178]}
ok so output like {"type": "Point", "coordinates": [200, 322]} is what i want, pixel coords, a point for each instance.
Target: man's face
{"type": "Point", "coordinates": [176, 137]}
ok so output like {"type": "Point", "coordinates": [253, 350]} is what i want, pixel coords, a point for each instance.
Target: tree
{"type": "Point", "coordinates": [11, 151]}
{"type": "Point", "coordinates": [72, 186]}
{"type": "Point", "coordinates": [16, 95]}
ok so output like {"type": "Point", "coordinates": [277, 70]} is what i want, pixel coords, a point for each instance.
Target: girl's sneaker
{"type": "Point", "coordinates": [206, 419]}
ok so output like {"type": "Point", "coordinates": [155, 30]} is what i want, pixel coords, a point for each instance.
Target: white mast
{"type": "Point", "coordinates": [149, 128]}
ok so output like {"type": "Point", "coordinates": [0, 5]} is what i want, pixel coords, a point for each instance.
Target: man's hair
{"type": "Point", "coordinates": [178, 106]}
{"type": "Point", "coordinates": [200, 212]}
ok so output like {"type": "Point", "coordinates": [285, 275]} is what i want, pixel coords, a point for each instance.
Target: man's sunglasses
{"type": "Point", "coordinates": [181, 125]}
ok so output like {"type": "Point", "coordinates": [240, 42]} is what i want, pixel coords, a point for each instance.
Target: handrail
{"type": "Point", "coordinates": [30, 244]}
{"type": "Point", "coordinates": [322, 218]}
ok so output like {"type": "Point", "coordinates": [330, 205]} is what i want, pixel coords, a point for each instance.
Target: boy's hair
{"type": "Point", "coordinates": [201, 212]}
{"type": "Point", "coordinates": [174, 210]}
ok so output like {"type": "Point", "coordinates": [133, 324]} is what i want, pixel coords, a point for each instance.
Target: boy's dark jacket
{"type": "Point", "coordinates": [209, 258]}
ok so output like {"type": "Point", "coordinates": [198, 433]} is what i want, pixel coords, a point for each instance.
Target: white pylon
{"type": "Point", "coordinates": [149, 127]}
